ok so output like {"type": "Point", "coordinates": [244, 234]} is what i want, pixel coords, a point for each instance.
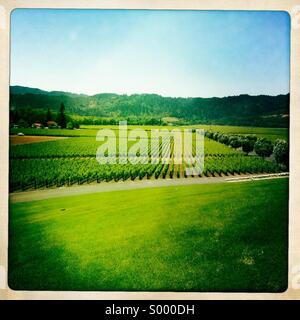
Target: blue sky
{"type": "Point", "coordinates": [172, 53]}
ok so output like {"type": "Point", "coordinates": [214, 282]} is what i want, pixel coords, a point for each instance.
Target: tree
{"type": "Point", "coordinates": [235, 142]}
{"type": "Point", "coordinates": [281, 152]}
{"type": "Point", "coordinates": [75, 124]}
{"type": "Point", "coordinates": [70, 125]}
{"type": "Point", "coordinates": [15, 116]}
{"type": "Point", "coordinates": [48, 115]}
{"type": "Point", "coordinates": [248, 144]}
{"type": "Point", "coordinates": [209, 134]}
{"type": "Point", "coordinates": [224, 139]}
{"type": "Point", "coordinates": [263, 147]}
{"type": "Point", "coordinates": [216, 136]}
{"type": "Point", "coordinates": [251, 137]}
{"type": "Point", "coordinates": [62, 120]}
{"type": "Point", "coordinates": [22, 123]}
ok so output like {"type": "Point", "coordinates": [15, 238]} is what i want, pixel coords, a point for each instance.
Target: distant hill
{"type": "Point", "coordinates": [244, 109]}
{"type": "Point", "coordinates": [26, 90]}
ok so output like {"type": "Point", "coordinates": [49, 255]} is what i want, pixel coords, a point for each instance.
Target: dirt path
{"type": "Point", "coordinates": [16, 140]}
{"type": "Point", "coordinates": [27, 196]}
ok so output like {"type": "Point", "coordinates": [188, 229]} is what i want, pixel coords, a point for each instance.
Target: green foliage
{"type": "Point", "coordinates": [209, 134]}
{"type": "Point", "coordinates": [70, 125]}
{"type": "Point", "coordinates": [73, 160]}
{"type": "Point", "coordinates": [263, 147]}
{"type": "Point", "coordinates": [62, 119]}
{"type": "Point", "coordinates": [251, 132]}
{"type": "Point", "coordinates": [251, 137]}
{"type": "Point", "coordinates": [56, 132]}
{"type": "Point", "coordinates": [224, 139]}
{"type": "Point", "coordinates": [281, 152]}
{"type": "Point", "coordinates": [49, 115]}
{"type": "Point", "coordinates": [23, 124]}
{"type": "Point", "coordinates": [235, 110]}
{"type": "Point", "coordinates": [248, 144]}
{"type": "Point", "coordinates": [235, 141]}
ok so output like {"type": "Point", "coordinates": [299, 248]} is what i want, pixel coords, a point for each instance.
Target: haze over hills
{"type": "Point", "coordinates": [261, 110]}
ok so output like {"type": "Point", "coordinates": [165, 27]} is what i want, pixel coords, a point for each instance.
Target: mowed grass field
{"type": "Point", "coordinates": [91, 130]}
{"type": "Point", "coordinates": [214, 237]}
{"type": "Point", "coordinates": [261, 132]}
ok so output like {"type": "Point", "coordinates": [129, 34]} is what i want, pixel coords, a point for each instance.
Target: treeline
{"type": "Point", "coordinates": [89, 120]}
{"type": "Point", "coordinates": [27, 117]}
{"type": "Point", "coordinates": [263, 110]}
{"type": "Point", "coordinates": [261, 146]}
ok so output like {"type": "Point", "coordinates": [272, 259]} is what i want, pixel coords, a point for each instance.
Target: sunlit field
{"type": "Point", "coordinates": [72, 160]}
{"type": "Point", "coordinates": [91, 130]}
{"type": "Point", "coordinates": [187, 238]}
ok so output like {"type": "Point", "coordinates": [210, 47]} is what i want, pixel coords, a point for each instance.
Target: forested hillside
{"type": "Point", "coordinates": [259, 110]}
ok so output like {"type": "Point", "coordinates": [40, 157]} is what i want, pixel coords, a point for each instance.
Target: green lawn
{"type": "Point", "coordinates": [215, 237]}
{"type": "Point", "coordinates": [91, 130]}
{"type": "Point", "coordinates": [269, 133]}
{"type": "Point", "coordinates": [261, 132]}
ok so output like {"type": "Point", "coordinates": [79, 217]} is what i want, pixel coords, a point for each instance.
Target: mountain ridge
{"type": "Point", "coordinates": [242, 109]}
{"type": "Point", "coordinates": [18, 89]}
